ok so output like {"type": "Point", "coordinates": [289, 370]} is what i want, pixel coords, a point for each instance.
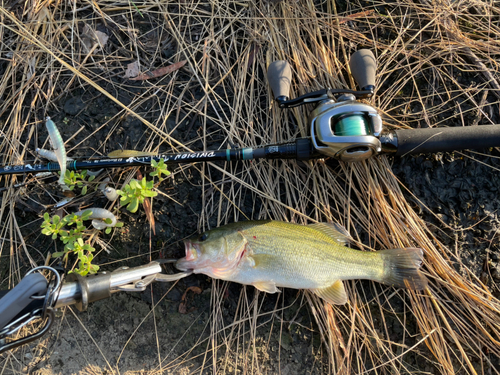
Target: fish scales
{"type": "Point", "coordinates": [315, 253]}
{"type": "Point", "coordinates": [271, 254]}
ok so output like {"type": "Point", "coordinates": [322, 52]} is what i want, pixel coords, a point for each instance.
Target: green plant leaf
{"type": "Point", "coordinates": [134, 205]}
{"type": "Point", "coordinates": [86, 214]}
{"type": "Point", "coordinates": [93, 268]}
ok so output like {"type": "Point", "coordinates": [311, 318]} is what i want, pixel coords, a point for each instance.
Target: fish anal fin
{"type": "Point", "coordinates": [333, 230]}
{"type": "Point", "coordinates": [266, 286]}
{"type": "Point", "coordinates": [335, 293]}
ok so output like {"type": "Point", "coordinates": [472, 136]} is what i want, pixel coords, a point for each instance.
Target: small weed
{"type": "Point", "coordinates": [72, 179]}
{"type": "Point", "coordinates": [71, 232]}
{"type": "Point", "coordinates": [135, 192]}
{"type": "Point", "coordinates": [160, 168]}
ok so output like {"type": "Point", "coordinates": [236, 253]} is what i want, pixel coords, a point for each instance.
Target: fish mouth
{"type": "Point", "coordinates": [189, 261]}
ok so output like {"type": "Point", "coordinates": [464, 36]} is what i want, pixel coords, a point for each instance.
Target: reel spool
{"type": "Point", "coordinates": [346, 130]}
{"type": "Point", "coordinates": [341, 127]}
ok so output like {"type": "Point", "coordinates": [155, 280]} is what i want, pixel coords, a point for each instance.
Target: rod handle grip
{"type": "Point", "coordinates": [363, 68]}
{"type": "Point", "coordinates": [279, 75]}
{"type": "Point", "coordinates": [420, 141]}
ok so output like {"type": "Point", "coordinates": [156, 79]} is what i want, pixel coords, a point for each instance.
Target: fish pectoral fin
{"type": "Point", "coordinates": [262, 260]}
{"type": "Point", "coordinates": [335, 293]}
{"type": "Point", "coordinates": [333, 230]}
{"type": "Point", "coordinates": [266, 286]}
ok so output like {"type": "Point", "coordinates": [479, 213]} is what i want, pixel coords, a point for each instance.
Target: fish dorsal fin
{"type": "Point", "coordinates": [266, 286]}
{"type": "Point", "coordinates": [333, 230]}
{"type": "Point", "coordinates": [335, 293]}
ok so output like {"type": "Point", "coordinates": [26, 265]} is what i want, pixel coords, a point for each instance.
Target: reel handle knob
{"type": "Point", "coordinates": [363, 67]}
{"type": "Point", "coordinates": [279, 75]}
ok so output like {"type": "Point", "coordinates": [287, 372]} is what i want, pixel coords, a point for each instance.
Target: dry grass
{"type": "Point", "coordinates": [428, 54]}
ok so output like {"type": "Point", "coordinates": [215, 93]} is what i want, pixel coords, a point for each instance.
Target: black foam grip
{"type": "Point", "coordinates": [279, 76]}
{"type": "Point", "coordinates": [431, 140]}
{"type": "Point", "coordinates": [363, 67]}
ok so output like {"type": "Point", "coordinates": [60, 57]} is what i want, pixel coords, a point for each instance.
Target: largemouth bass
{"type": "Point", "coordinates": [272, 254]}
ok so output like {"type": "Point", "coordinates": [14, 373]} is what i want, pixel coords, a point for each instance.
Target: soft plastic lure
{"type": "Point", "coordinates": [110, 193]}
{"type": "Point", "coordinates": [49, 155]}
{"type": "Point", "coordinates": [99, 214]}
{"type": "Point", "coordinates": [58, 145]}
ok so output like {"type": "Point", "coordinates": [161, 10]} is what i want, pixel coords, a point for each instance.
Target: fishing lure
{"type": "Point", "coordinates": [63, 202]}
{"type": "Point", "coordinates": [99, 214]}
{"type": "Point", "coordinates": [103, 184]}
{"type": "Point", "coordinates": [43, 174]}
{"type": "Point", "coordinates": [110, 193]}
{"type": "Point", "coordinates": [49, 155]}
{"type": "Point", "coordinates": [94, 173]}
{"type": "Point", "coordinates": [58, 145]}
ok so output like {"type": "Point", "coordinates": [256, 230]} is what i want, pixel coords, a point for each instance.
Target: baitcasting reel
{"type": "Point", "coordinates": [346, 129]}
{"type": "Point", "coordinates": [341, 126]}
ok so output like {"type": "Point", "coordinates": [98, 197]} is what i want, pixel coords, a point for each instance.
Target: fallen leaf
{"type": "Point", "coordinates": [86, 38]}
{"type": "Point", "coordinates": [160, 71]}
{"type": "Point", "coordinates": [91, 39]}
{"type": "Point", "coordinates": [132, 70]}
{"type": "Point", "coordinates": [149, 213]}
{"type": "Point", "coordinates": [148, 209]}
{"type": "Point", "coordinates": [102, 38]}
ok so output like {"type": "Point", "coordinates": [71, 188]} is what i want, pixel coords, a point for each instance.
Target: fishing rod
{"type": "Point", "coordinates": [341, 127]}
{"type": "Point", "coordinates": [299, 149]}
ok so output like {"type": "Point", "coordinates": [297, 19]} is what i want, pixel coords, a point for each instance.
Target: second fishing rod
{"type": "Point", "coordinates": [342, 126]}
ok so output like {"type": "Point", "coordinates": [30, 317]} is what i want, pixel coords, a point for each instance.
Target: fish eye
{"type": "Point", "coordinates": [203, 237]}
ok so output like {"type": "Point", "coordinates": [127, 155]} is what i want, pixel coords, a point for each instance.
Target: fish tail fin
{"type": "Point", "coordinates": [401, 268]}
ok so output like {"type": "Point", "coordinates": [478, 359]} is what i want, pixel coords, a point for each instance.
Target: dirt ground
{"type": "Point", "coordinates": [202, 326]}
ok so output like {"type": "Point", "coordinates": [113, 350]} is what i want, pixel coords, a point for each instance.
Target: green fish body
{"type": "Point", "coordinates": [272, 254]}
